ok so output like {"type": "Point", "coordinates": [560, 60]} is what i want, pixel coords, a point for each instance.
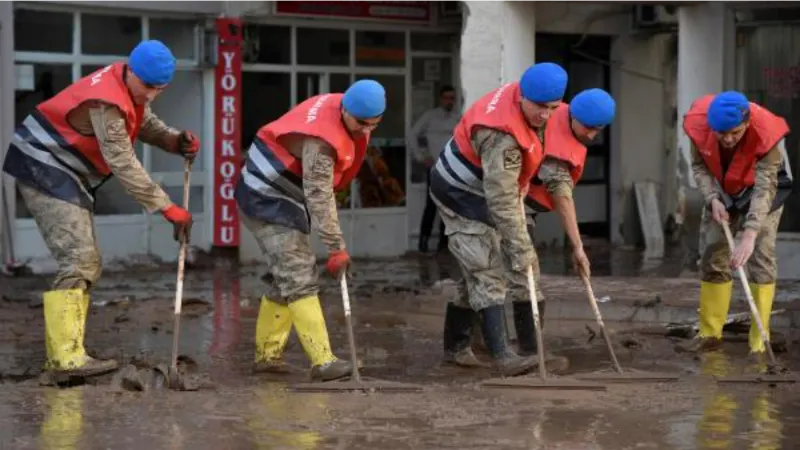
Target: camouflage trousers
{"type": "Point", "coordinates": [518, 281]}
{"type": "Point", "coordinates": [715, 266]}
{"type": "Point", "coordinates": [290, 260]}
{"type": "Point", "coordinates": [68, 231]}
{"type": "Point", "coordinates": [487, 278]}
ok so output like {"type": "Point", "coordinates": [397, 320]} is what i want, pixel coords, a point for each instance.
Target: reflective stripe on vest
{"type": "Point", "coordinates": [40, 158]}
{"type": "Point", "coordinates": [458, 184]}
{"type": "Point", "coordinates": [268, 191]}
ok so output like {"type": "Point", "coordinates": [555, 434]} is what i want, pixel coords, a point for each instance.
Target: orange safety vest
{"type": "Point", "coordinates": [766, 130]}
{"type": "Point", "coordinates": [560, 143]}
{"type": "Point", "coordinates": [500, 110]}
{"type": "Point", "coordinates": [271, 184]}
{"type": "Point", "coordinates": [51, 156]}
{"type": "Point", "coordinates": [319, 116]}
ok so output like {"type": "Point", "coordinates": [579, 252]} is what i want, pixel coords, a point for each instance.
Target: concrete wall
{"type": "Point", "coordinates": [706, 38]}
{"type": "Point", "coordinates": [639, 150]}
{"type": "Point", "coordinates": [6, 112]}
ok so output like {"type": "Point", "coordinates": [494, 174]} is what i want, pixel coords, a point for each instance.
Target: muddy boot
{"type": "Point", "coordinates": [310, 325]}
{"type": "Point", "coordinates": [332, 370]}
{"type": "Point", "coordinates": [457, 334]}
{"type": "Point", "coordinates": [699, 345]}
{"type": "Point", "coordinates": [494, 333]}
{"type": "Point", "coordinates": [65, 314]}
{"type": "Point", "coordinates": [526, 336]}
{"type": "Point", "coordinates": [273, 326]}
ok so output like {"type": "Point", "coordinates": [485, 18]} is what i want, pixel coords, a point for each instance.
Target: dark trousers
{"type": "Point", "coordinates": [427, 221]}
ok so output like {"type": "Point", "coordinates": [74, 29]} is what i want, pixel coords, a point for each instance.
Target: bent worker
{"type": "Point", "coordinates": [287, 187]}
{"type": "Point", "coordinates": [740, 165]}
{"type": "Point", "coordinates": [60, 155]}
{"type": "Point", "coordinates": [477, 184]}
{"type": "Point", "coordinates": [565, 136]}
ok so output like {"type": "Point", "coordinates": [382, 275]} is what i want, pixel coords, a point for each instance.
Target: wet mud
{"type": "Point", "coordinates": [398, 308]}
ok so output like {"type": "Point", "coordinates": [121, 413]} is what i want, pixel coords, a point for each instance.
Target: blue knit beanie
{"type": "Point", "coordinates": [365, 99]}
{"type": "Point", "coordinates": [543, 82]}
{"type": "Point", "coordinates": [152, 62]}
{"type": "Point", "coordinates": [593, 108]}
{"type": "Point", "coordinates": [727, 111]}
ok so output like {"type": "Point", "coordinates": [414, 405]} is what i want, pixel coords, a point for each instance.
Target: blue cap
{"type": "Point", "coordinates": [543, 82]}
{"type": "Point", "coordinates": [727, 111]}
{"type": "Point", "coordinates": [593, 108]}
{"type": "Point", "coordinates": [365, 99]}
{"type": "Point", "coordinates": [152, 62]}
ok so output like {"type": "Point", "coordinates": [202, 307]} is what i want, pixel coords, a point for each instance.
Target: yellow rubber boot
{"type": "Point", "coordinates": [272, 331]}
{"type": "Point", "coordinates": [763, 295]}
{"type": "Point", "coordinates": [310, 324]}
{"type": "Point", "coordinates": [715, 299]}
{"type": "Point", "coordinates": [65, 314]}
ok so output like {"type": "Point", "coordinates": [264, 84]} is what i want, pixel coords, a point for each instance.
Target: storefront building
{"type": "Point", "coordinates": [655, 59]}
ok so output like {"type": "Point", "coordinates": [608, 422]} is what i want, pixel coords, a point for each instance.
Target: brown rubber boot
{"type": "Point", "coordinates": [332, 370]}
{"type": "Point", "coordinates": [699, 345]}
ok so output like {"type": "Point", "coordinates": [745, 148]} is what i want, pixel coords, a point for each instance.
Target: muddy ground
{"type": "Point", "coordinates": [398, 308]}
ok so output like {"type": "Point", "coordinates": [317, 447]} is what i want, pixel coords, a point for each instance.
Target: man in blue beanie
{"type": "Point", "coordinates": [60, 155]}
{"type": "Point", "coordinates": [739, 162]}
{"type": "Point", "coordinates": [565, 136]}
{"type": "Point", "coordinates": [287, 185]}
{"type": "Point", "coordinates": [477, 184]}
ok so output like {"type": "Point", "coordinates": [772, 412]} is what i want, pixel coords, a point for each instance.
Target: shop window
{"type": "Point", "coordinates": [433, 42]}
{"type": "Point", "coordinates": [322, 47]}
{"type": "Point", "coordinates": [380, 49]}
{"type": "Point", "coordinates": [29, 35]}
{"type": "Point", "coordinates": [178, 35]}
{"type": "Point", "coordinates": [381, 181]}
{"type": "Point", "coordinates": [180, 106]}
{"type": "Point", "coordinates": [48, 80]}
{"type": "Point", "coordinates": [265, 97]}
{"type": "Point", "coordinates": [768, 73]}
{"type": "Point", "coordinates": [267, 44]}
{"type": "Point", "coordinates": [339, 82]}
{"type": "Point", "coordinates": [109, 35]}
{"type": "Point", "coordinates": [111, 198]}
{"type": "Point", "coordinates": [196, 199]}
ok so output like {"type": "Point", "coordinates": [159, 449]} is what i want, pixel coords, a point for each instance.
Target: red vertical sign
{"type": "Point", "coordinates": [228, 120]}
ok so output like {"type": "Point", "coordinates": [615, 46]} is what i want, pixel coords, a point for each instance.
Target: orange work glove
{"type": "Point", "coordinates": [180, 218]}
{"type": "Point", "coordinates": [188, 145]}
{"type": "Point", "coordinates": [338, 261]}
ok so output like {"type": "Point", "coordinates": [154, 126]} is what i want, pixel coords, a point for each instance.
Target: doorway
{"type": "Point", "coordinates": [582, 56]}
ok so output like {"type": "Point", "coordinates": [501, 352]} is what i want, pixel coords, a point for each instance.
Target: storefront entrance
{"type": "Point", "coordinates": [384, 204]}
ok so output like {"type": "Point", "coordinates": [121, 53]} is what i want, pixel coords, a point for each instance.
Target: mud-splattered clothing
{"type": "Point", "coordinates": [68, 231]}
{"type": "Point", "coordinates": [486, 254]}
{"type": "Point", "coordinates": [108, 125]}
{"type": "Point", "coordinates": [67, 228]}
{"type": "Point", "coordinates": [764, 190]}
{"type": "Point", "coordinates": [762, 267]}
{"type": "Point", "coordinates": [501, 159]}
{"type": "Point", "coordinates": [291, 266]}
{"type": "Point", "coordinates": [716, 254]}
{"type": "Point", "coordinates": [318, 175]}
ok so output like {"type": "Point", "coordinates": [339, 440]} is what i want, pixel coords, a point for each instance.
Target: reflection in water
{"type": "Point", "coordinates": [717, 427]}
{"type": "Point", "coordinates": [63, 424]}
{"type": "Point", "coordinates": [227, 324]}
{"type": "Point", "coordinates": [275, 413]}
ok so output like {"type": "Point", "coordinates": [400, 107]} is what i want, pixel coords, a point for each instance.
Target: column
{"type": "Point", "coordinates": [6, 113]}
{"type": "Point", "coordinates": [705, 40]}
{"type": "Point", "coordinates": [497, 45]}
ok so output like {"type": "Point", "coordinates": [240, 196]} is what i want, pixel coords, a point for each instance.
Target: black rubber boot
{"type": "Point", "coordinates": [457, 337]}
{"type": "Point", "coordinates": [523, 323]}
{"type": "Point", "coordinates": [422, 245]}
{"type": "Point", "coordinates": [526, 336]}
{"type": "Point", "coordinates": [508, 362]}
